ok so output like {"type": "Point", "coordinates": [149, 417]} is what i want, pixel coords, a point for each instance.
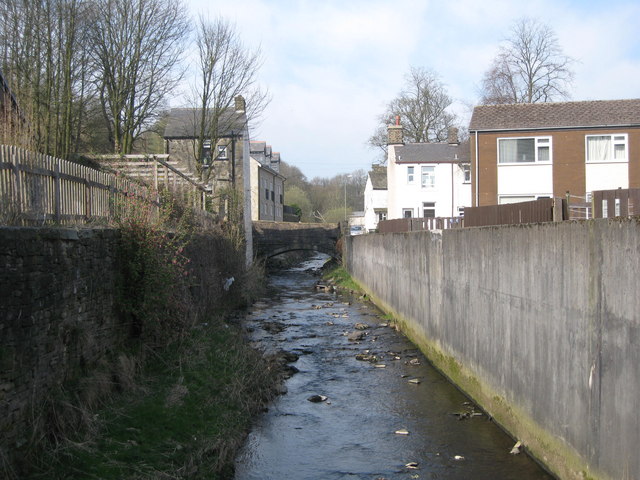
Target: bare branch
{"type": "Point", "coordinates": [422, 105]}
{"type": "Point", "coordinates": [137, 47]}
{"type": "Point", "coordinates": [529, 68]}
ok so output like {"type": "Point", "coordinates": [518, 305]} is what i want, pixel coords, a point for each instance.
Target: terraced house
{"type": "Point", "coordinates": [522, 152]}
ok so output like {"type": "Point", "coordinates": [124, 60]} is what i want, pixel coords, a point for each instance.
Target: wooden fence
{"type": "Point", "coordinates": [542, 210]}
{"type": "Point", "coordinates": [37, 189]}
{"type": "Point", "coordinates": [159, 171]}
{"type": "Point", "coordinates": [616, 203]}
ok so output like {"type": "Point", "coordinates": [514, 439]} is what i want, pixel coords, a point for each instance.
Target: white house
{"type": "Point", "coordinates": [375, 197]}
{"type": "Point", "coordinates": [427, 179]}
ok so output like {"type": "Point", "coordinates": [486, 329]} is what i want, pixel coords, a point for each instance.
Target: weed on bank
{"type": "Point", "coordinates": [186, 417]}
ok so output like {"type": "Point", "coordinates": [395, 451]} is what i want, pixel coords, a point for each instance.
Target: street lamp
{"type": "Point", "coordinates": [345, 196]}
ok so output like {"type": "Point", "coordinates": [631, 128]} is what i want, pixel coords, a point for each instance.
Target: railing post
{"type": "Point", "coordinates": [17, 182]}
{"type": "Point", "coordinates": [87, 198]}
{"type": "Point", "coordinates": [57, 196]}
{"type": "Point", "coordinates": [155, 173]}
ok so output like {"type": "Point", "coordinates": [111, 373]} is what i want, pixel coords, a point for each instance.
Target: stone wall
{"type": "Point", "coordinates": [538, 323]}
{"type": "Point", "coordinates": [57, 318]}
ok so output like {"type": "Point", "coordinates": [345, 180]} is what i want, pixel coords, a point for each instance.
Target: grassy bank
{"type": "Point", "coordinates": [184, 417]}
{"type": "Point", "coordinates": [335, 274]}
{"type": "Point", "coordinates": [176, 397]}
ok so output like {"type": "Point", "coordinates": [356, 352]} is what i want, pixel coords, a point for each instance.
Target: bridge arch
{"type": "Point", "coordinates": [274, 238]}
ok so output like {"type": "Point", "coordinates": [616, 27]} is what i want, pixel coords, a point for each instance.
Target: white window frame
{"type": "Point", "coordinates": [466, 171]}
{"type": "Point", "coordinates": [411, 174]}
{"type": "Point", "coordinates": [407, 210]}
{"type": "Point", "coordinates": [428, 172]}
{"type": "Point", "coordinates": [222, 152]}
{"type": "Point", "coordinates": [381, 214]}
{"type": "Point", "coordinates": [539, 142]}
{"type": "Point", "coordinates": [624, 140]}
{"type": "Point", "coordinates": [430, 206]}
{"type": "Point", "coordinates": [522, 197]}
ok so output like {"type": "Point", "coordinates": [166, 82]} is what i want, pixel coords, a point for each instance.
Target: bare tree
{"type": "Point", "coordinates": [137, 46]}
{"type": "Point", "coordinates": [529, 68]}
{"type": "Point", "coordinates": [422, 106]}
{"type": "Point", "coordinates": [43, 50]}
{"type": "Point", "coordinates": [226, 69]}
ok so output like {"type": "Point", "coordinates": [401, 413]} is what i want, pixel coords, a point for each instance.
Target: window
{"type": "Point", "coordinates": [281, 199]}
{"type": "Point", "coordinates": [466, 169]}
{"type": "Point", "coordinates": [206, 151]}
{"type": "Point", "coordinates": [461, 211]}
{"type": "Point", "coordinates": [428, 177]}
{"type": "Point", "coordinates": [222, 152]}
{"type": "Point", "coordinates": [429, 209]}
{"type": "Point", "coordinates": [407, 212]}
{"type": "Point", "coordinates": [273, 196]}
{"type": "Point", "coordinates": [606, 148]}
{"type": "Point", "coordinates": [524, 150]}
{"type": "Point", "coordinates": [381, 214]}
{"type": "Point", "coordinates": [505, 199]}
{"type": "Point", "coordinates": [266, 193]}
{"type": "Point", "coordinates": [410, 171]}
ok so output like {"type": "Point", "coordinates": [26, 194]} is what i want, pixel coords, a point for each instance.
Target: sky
{"type": "Point", "coordinates": [331, 66]}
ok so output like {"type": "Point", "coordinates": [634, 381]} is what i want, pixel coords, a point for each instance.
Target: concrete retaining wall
{"type": "Point", "coordinates": [538, 323]}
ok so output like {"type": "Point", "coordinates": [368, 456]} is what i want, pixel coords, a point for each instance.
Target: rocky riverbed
{"type": "Point", "coordinates": [361, 402]}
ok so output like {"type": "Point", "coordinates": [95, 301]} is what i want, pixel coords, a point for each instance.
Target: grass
{"type": "Point", "coordinates": [338, 276]}
{"type": "Point", "coordinates": [186, 418]}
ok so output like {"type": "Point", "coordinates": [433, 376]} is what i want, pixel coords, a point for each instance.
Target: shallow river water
{"type": "Point", "coordinates": [377, 421]}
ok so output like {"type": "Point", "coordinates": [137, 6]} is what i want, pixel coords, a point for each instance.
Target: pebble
{"type": "Point", "coordinates": [317, 398]}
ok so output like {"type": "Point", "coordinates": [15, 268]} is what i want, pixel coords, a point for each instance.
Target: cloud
{"type": "Point", "coordinates": [333, 65]}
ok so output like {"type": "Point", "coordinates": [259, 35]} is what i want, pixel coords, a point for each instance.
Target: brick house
{"type": "Point", "coordinates": [522, 152]}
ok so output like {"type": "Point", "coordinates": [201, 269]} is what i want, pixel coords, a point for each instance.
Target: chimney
{"type": "Point", "coordinates": [394, 133]}
{"type": "Point", "coordinates": [241, 105]}
{"type": "Point", "coordinates": [452, 136]}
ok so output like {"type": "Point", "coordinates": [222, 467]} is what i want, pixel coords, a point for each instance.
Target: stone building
{"type": "Point", "coordinates": [225, 145]}
{"type": "Point", "coordinates": [267, 184]}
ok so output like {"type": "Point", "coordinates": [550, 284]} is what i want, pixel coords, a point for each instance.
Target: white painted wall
{"type": "Point", "coordinates": [525, 180]}
{"type": "Point", "coordinates": [255, 189]}
{"type": "Point", "coordinates": [449, 192]}
{"type": "Point", "coordinates": [373, 199]}
{"type": "Point", "coordinates": [606, 175]}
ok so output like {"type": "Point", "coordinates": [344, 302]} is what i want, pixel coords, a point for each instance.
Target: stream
{"type": "Point", "coordinates": [381, 411]}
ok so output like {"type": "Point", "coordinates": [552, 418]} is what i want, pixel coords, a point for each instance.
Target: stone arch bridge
{"type": "Point", "coordinates": [273, 238]}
